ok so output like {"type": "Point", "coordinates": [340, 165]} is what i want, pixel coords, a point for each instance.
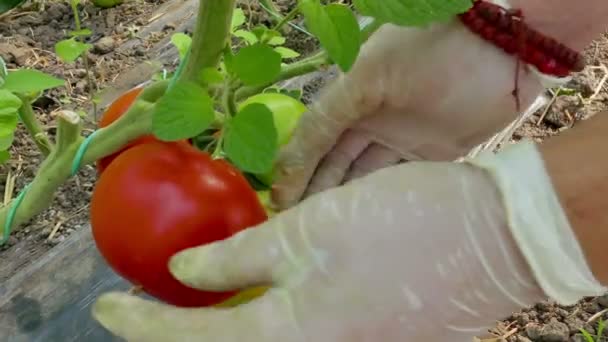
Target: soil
{"type": "Point", "coordinates": [27, 38]}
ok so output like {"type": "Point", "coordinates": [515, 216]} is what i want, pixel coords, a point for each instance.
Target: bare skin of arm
{"type": "Point", "coordinates": [578, 165]}
{"type": "Point", "coordinates": [574, 158]}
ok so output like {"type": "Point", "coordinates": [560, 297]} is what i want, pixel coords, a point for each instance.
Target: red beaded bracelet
{"type": "Point", "coordinates": [506, 29]}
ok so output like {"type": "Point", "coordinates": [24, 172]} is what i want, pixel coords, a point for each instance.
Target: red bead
{"type": "Point", "coordinates": [557, 50]}
{"type": "Point", "coordinates": [468, 17]}
{"type": "Point", "coordinates": [510, 47]}
{"type": "Point", "coordinates": [536, 57]}
{"type": "Point", "coordinates": [561, 71]}
{"type": "Point", "coordinates": [545, 43]}
{"type": "Point", "coordinates": [488, 32]}
{"type": "Point", "coordinates": [502, 39]}
{"type": "Point", "coordinates": [487, 11]}
{"type": "Point", "coordinates": [527, 55]}
{"type": "Point", "coordinates": [477, 25]}
{"type": "Point", "coordinates": [534, 38]}
{"type": "Point", "coordinates": [548, 67]}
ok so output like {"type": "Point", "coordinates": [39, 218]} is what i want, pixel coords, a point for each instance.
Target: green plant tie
{"type": "Point", "coordinates": [180, 69]}
{"type": "Point", "coordinates": [11, 215]}
{"type": "Point", "coordinates": [77, 160]}
{"type": "Point", "coordinates": [82, 149]}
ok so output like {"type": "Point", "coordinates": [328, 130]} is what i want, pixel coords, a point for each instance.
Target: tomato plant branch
{"type": "Point", "coordinates": [209, 38]}
{"type": "Point", "coordinates": [57, 167]}
{"type": "Point", "coordinates": [31, 123]}
{"type": "Point", "coordinates": [274, 12]}
{"type": "Point", "coordinates": [292, 14]}
{"type": "Point", "coordinates": [85, 58]}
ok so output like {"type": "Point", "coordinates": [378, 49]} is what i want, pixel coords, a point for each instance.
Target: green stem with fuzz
{"type": "Point", "coordinates": [269, 6]}
{"type": "Point", "coordinates": [294, 12]}
{"type": "Point", "coordinates": [57, 167]}
{"type": "Point", "coordinates": [85, 59]}
{"type": "Point", "coordinates": [33, 126]}
{"type": "Point", "coordinates": [209, 38]}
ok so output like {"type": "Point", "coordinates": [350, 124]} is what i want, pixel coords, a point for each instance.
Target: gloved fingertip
{"type": "Point", "coordinates": [192, 267]}
{"type": "Point", "coordinates": [109, 309]}
{"type": "Point", "coordinates": [188, 265]}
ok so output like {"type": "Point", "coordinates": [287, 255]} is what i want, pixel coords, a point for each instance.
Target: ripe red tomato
{"type": "Point", "coordinates": [158, 198]}
{"type": "Point", "coordinates": [114, 111]}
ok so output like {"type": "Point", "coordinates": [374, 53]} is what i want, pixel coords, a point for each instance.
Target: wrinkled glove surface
{"type": "Point", "coordinates": [413, 94]}
{"type": "Point", "coordinates": [415, 252]}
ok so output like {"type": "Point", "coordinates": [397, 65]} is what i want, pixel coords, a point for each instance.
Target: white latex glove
{"type": "Point", "coordinates": [413, 94]}
{"type": "Point", "coordinates": [423, 251]}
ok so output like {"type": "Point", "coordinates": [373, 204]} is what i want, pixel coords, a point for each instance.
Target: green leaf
{"type": "Point", "coordinates": [81, 33]}
{"type": "Point", "coordinates": [587, 335]}
{"type": "Point", "coordinates": [70, 49]}
{"type": "Point", "coordinates": [273, 37]}
{"type": "Point", "coordinates": [9, 103]}
{"type": "Point", "coordinates": [268, 36]}
{"type": "Point", "coordinates": [182, 42]}
{"type": "Point", "coordinates": [30, 81]}
{"type": "Point", "coordinates": [212, 76]}
{"type": "Point", "coordinates": [8, 123]}
{"type": "Point", "coordinates": [276, 41]}
{"type": "Point", "coordinates": [601, 325]}
{"type": "Point", "coordinates": [183, 112]}
{"type": "Point", "coordinates": [6, 141]}
{"type": "Point", "coordinates": [107, 3]}
{"type": "Point", "coordinates": [249, 37]}
{"type": "Point", "coordinates": [238, 18]}
{"type": "Point", "coordinates": [412, 13]}
{"type": "Point", "coordinates": [337, 29]}
{"type": "Point", "coordinates": [7, 5]}
{"type": "Point", "coordinates": [257, 64]}
{"type": "Point", "coordinates": [4, 156]}
{"type": "Point", "coordinates": [256, 184]}
{"type": "Point", "coordinates": [251, 139]}
{"type": "Point", "coordinates": [259, 31]}
{"type": "Point", "coordinates": [286, 53]}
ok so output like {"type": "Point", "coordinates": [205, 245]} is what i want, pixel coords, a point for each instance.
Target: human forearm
{"type": "Point", "coordinates": [578, 165]}
{"type": "Point", "coordinates": [573, 23]}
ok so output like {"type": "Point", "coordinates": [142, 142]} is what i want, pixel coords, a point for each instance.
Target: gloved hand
{"type": "Point", "coordinates": [413, 94]}
{"type": "Point", "coordinates": [423, 251]}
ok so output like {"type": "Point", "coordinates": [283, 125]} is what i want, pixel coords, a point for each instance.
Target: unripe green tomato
{"type": "Point", "coordinates": [286, 112]}
{"type": "Point", "coordinates": [107, 3]}
{"type": "Point", "coordinates": [285, 109]}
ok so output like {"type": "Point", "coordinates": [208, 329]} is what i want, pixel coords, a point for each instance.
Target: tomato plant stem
{"type": "Point", "coordinates": [31, 123]}
{"type": "Point", "coordinates": [56, 168]}
{"type": "Point", "coordinates": [294, 12]}
{"type": "Point", "coordinates": [68, 131]}
{"type": "Point", "coordinates": [269, 6]}
{"type": "Point", "coordinates": [85, 58]}
{"type": "Point", "coordinates": [209, 38]}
